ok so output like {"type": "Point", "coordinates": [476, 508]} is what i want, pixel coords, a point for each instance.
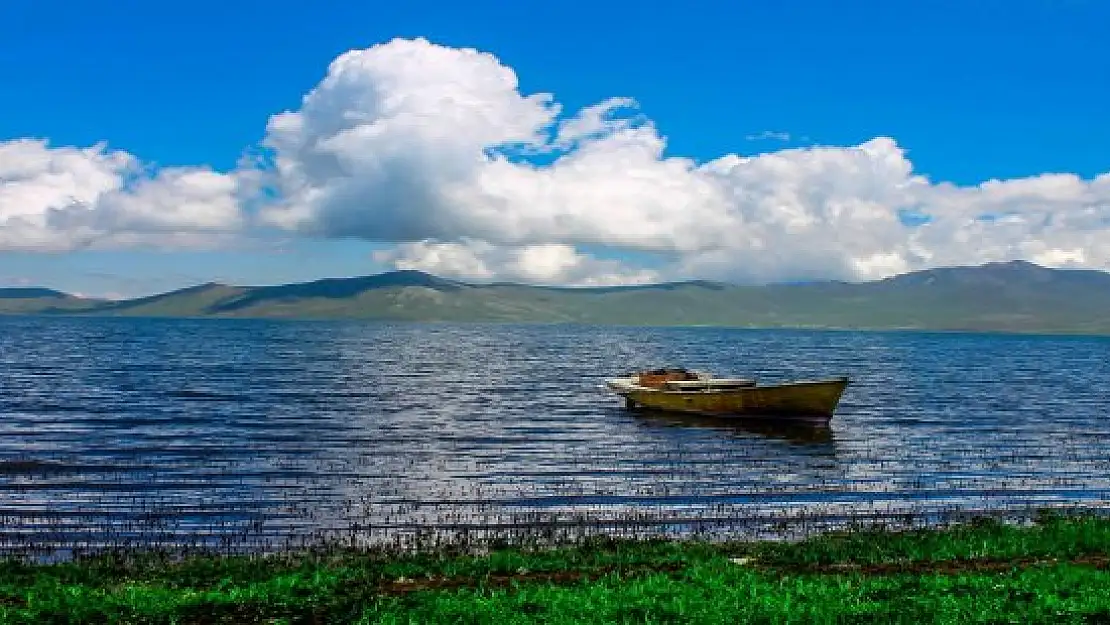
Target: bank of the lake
{"type": "Point", "coordinates": [1057, 569]}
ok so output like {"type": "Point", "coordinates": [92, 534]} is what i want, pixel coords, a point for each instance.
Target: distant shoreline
{"type": "Point", "coordinates": [582, 324]}
{"type": "Point", "coordinates": [1010, 298]}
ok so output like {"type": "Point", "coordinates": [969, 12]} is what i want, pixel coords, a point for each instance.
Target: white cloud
{"type": "Point", "coordinates": [176, 200]}
{"type": "Point", "coordinates": [65, 198]}
{"type": "Point", "coordinates": [775, 135]}
{"type": "Point", "coordinates": [595, 122]}
{"type": "Point", "coordinates": [409, 142]}
{"type": "Point", "coordinates": [36, 180]}
{"type": "Point", "coordinates": [378, 145]}
{"type": "Point", "coordinates": [436, 151]}
{"type": "Point", "coordinates": [547, 264]}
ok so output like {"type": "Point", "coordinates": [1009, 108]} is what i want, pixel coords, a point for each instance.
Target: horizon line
{"type": "Point", "coordinates": [503, 283]}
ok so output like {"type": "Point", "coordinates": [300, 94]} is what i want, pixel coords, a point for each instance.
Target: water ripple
{"type": "Point", "coordinates": [125, 430]}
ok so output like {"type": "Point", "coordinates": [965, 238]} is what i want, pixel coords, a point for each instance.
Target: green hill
{"type": "Point", "coordinates": [194, 301]}
{"type": "Point", "coordinates": [1014, 296]}
{"type": "Point", "coordinates": [29, 300]}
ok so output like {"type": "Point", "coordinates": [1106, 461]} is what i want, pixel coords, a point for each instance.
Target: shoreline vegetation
{"type": "Point", "coordinates": [1013, 297]}
{"type": "Point", "coordinates": [1052, 568]}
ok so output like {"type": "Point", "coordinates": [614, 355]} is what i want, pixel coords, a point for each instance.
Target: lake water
{"type": "Point", "coordinates": [256, 434]}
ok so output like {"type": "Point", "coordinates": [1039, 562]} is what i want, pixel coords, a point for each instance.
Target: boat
{"type": "Point", "coordinates": [681, 390]}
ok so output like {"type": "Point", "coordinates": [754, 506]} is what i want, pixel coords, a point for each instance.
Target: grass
{"type": "Point", "coordinates": [1055, 570]}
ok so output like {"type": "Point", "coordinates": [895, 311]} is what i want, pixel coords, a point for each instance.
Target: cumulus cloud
{"type": "Point", "coordinates": [436, 152]}
{"type": "Point", "coordinates": [67, 198]}
{"type": "Point", "coordinates": [433, 148]}
{"type": "Point", "coordinates": [546, 264]}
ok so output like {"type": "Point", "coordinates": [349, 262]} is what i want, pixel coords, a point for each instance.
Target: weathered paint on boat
{"type": "Point", "coordinates": [803, 399]}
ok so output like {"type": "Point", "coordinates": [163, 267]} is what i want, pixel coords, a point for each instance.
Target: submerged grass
{"type": "Point", "coordinates": [1056, 569]}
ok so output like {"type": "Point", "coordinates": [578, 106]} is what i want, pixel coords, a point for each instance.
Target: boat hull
{"type": "Point", "coordinates": [808, 400]}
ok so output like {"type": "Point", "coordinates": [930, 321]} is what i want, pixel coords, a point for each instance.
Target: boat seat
{"type": "Point", "coordinates": [718, 382]}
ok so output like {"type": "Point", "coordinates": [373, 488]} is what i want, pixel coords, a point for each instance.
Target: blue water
{"type": "Point", "coordinates": [259, 433]}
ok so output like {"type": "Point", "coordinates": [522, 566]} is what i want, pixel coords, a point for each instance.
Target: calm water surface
{"type": "Point", "coordinates": [257, 433]}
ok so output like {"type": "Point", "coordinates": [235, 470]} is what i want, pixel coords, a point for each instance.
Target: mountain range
{"type": "Point", "coordinates": [1015, 296]}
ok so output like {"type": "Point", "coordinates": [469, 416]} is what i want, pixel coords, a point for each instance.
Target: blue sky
{"type": "Point", "coordinates": [971, 91]}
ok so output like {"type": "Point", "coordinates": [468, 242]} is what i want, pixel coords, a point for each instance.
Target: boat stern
{"type": "Point", "coordinates": [620, 386]}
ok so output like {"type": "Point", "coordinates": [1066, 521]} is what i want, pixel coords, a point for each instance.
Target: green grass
{"type": "Point", "coordinates": [1057, 570]}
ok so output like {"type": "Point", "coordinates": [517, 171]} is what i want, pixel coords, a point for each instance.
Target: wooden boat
{"type": "Point", "coordinates": [680, 390]}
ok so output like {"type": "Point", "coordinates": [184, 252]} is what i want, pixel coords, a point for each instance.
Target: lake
{"type": "Point", "coordinates": [250, 434]}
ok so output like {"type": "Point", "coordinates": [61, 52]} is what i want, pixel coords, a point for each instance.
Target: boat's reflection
{"type": "Point", "coordinates": [802, 432]}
